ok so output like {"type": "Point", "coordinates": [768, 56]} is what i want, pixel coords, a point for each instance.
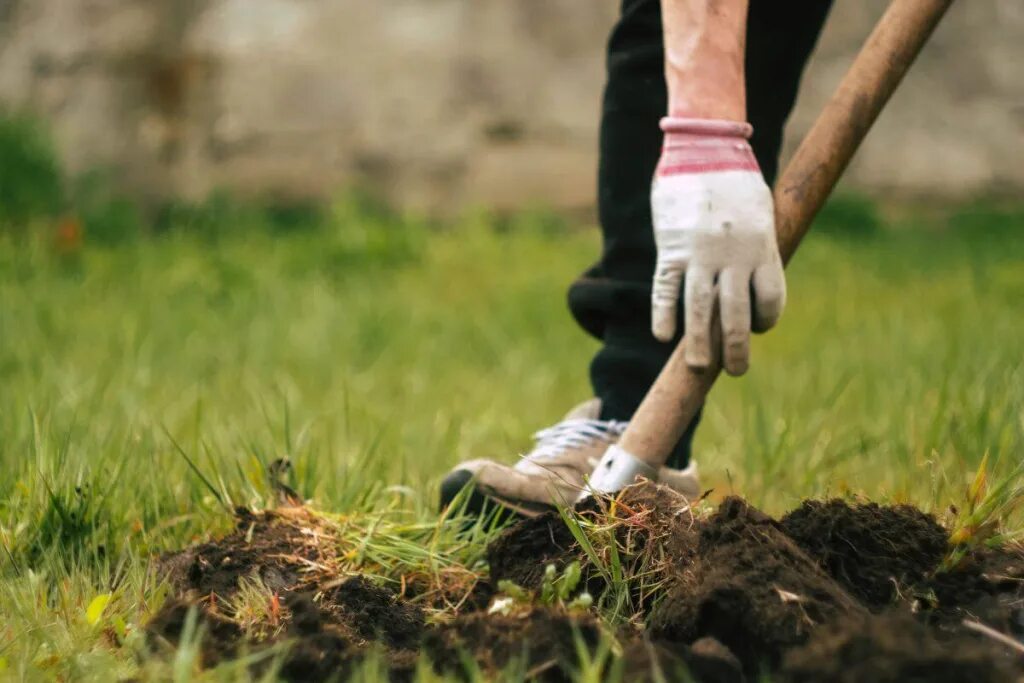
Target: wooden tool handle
{"type": "Point", "coordinates": [678, 392]}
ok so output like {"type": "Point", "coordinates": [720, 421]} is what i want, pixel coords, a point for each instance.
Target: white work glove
{"type": "Point", "coordinates": [714, 226]}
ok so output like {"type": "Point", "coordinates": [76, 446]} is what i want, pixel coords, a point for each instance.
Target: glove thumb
{"type": "Point", "coordinates": [769, 285]}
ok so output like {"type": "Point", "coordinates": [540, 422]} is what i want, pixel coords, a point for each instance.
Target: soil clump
{"type": "Point", "coordinates": [871, 550]}
{"type": "Point", "coordinates": [284, 549]}
{"type": "Point", "coordinates": [755, 590]}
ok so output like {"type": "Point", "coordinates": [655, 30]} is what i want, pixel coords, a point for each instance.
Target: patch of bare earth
{"type": "Point", "coordinates": [832, 591]}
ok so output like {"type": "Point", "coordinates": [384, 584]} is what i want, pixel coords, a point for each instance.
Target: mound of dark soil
{"type": "Point", "coordinates": [871, 550]}
{"type": "Point", "coordinates": [755, 591]}
{"type": "Point", "coordinates": [762, 588]}
{"type": "Point", "coordinates": [893, 649]}
{"type": "Point", "coordinates": [831, 592]}
{"type": "Point", "coordinates": [330, 623]}
{"type": "Point", "coordinates": [275, 547]}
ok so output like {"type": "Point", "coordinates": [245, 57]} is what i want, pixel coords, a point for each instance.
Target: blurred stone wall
{"type": "Point", "coordinates": [444, 103]}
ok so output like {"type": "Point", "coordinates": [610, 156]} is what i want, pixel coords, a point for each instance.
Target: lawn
{"type": "Point", "coordinates": [146, 385]}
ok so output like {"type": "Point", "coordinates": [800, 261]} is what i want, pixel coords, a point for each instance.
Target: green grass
{"type": "Point", "coordinates": [376, 353]}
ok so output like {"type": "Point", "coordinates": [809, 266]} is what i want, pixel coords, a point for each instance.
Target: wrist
{"type": "Point", "coordinates": [691, 96]}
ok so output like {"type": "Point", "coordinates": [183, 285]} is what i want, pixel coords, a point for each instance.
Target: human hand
{"type": "Point", "coordinates": [714, 226]}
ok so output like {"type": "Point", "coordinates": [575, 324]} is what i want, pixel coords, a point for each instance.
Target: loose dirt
{"type": "Point", "coordinates": [284, 550]}
{"type": "Point", "coordinates": [868, 549]}
{"type": "Point", "coordinates": [521, 555]}
{"type": "Point", "coordinates": [832, 591]}
{"type": "Point", "coordinates": [755, 590]}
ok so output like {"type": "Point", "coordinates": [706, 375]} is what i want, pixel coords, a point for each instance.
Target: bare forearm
{"type": "Point", "coordinates": [704, 48]}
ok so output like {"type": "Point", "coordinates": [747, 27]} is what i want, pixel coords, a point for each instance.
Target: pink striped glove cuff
{"type": "Point", "coordinates": [705, 146]}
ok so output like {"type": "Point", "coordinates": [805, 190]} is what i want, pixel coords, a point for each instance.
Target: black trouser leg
{"type": "Point", "coordinates": [612, 299]}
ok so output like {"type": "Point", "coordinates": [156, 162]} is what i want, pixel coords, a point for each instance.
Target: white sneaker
{"type": "Point", "coordinates": [555, 471]}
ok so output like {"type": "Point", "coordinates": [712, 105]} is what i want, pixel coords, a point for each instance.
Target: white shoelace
{"type": "Point", "coordinates": [575, 433]}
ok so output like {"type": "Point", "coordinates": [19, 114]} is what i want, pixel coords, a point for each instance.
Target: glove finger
{"type": "Point", "coordinates": [668, 278]}
{"type": "Point", "coordinates": [734, 300]}
{"type": "Point", "coordinates": [699, 302]}
{"type": "Point", "coordinates": [769, 285]}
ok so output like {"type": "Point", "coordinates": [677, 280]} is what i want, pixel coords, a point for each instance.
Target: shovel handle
{"type": "Point", "coordinates": [678, 392]}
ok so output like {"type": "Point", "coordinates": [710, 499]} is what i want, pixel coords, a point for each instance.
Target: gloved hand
{"type": "Point", "coordinates": [714, 226]}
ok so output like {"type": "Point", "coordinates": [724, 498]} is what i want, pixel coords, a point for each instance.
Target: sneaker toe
{"type": "Point", "coordinates": [493, 483]}
{"type": "Point", "coordinates": [454, 483]}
